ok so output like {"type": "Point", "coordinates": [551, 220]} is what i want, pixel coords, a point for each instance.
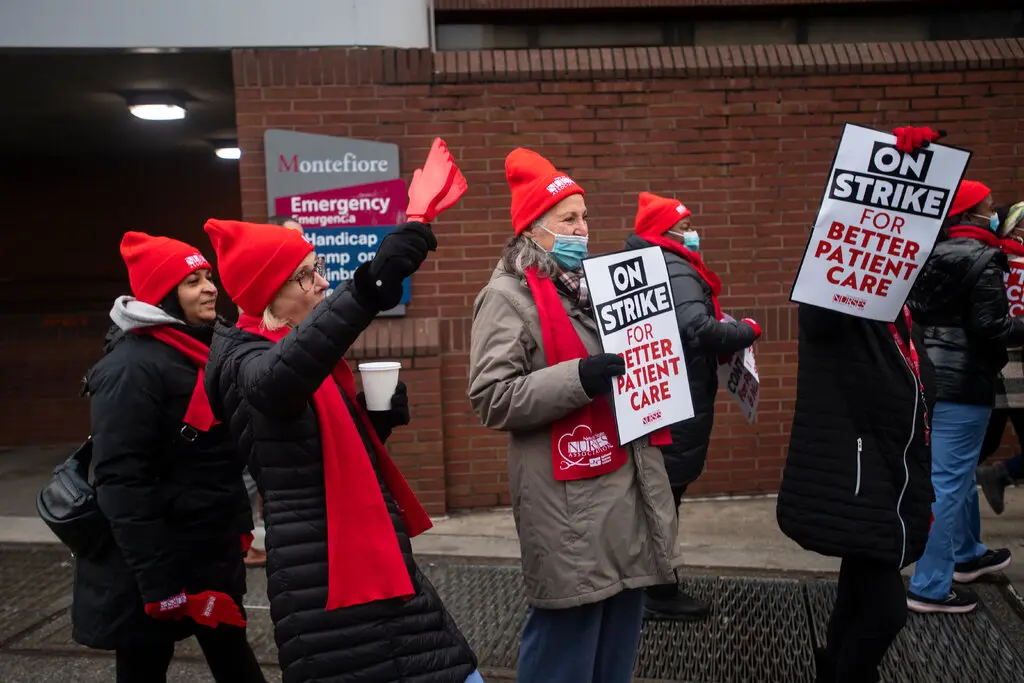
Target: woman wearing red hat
{"type": "Point", "coordinates": [347, 599]}
{"type": "Point", "coordinates": [592, 531]}
{"type": "Point", "coordinates": [960, 299]}
{"type": "Point", "coordinates": [167, 477]}
{"type": "Point", "coordinates": [665, 223]}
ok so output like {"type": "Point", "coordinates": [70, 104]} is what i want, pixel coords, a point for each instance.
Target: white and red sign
{"type": "Point", "coordinates": [877, 224]}
{"type": "Point", "coordinates": [740, 379]}
{"type": "Point", "coordinates": [636, 319]}
{"type": "Point", "coordinates": [1015, 287]}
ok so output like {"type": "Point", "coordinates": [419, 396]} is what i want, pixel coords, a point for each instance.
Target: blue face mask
{"type": "Point", "coordinates": [691, 240]}
{"type": "Point", "coordinates": [568, 250]}
{"type": "Point", "coordinates": [993, 221]}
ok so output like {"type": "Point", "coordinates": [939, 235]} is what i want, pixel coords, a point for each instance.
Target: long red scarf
{"type": "Point", "coordinates": [198, 415]}
{"type": "Point", "coordinates": [364, 560]}
{"type": "Point", "coordinates": [583, 443]}
{"type": "Point", "coordinates": [975, 233]}
{"type": "Point", "coordinates": [1011, 247]}
{"type": "Point", "coordinates": [708, 275]}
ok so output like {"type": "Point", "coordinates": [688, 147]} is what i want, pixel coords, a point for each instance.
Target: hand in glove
{"type": "Point", "coordinates": [378, 284]}
{"type": "Point", "coordinates": [597, 372]}
{"type": "Point", "coordinates": [385, 421]}
{"type": "Point", "coordinates": [208, 608]}
{"type": "Point", "coordinates": [435, 187]}
{"type": "Point", "coordinates": [910, 139]}
{"type": "Point", "coordinates": [753, 324]}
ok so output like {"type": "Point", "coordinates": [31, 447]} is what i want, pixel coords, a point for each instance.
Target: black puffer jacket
{"type": "Point", "coordinates": [172, 503]}
{"type": "Point", "coordinates": [857, 481]}
{"type": "Point", "coordinates": [263, 391]}
{"type": "Point", "coordinates": [705, 340]}
{"type": "Point", "coordinates": [960, 300]}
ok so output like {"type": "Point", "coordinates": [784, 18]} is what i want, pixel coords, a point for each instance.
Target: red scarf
{"type": "Point", "coordinates": [583, 443]}
{"type": "Point", "coordinates": [198, 415]}
{"type": "Point", "coordinates": [708, 275]}
{"type": "Point", "coordinates": [975, 233]}
{"type": "Point", "coordinates": [363, 557]}
{"type": "Point", "coordinates": [1011, 247]}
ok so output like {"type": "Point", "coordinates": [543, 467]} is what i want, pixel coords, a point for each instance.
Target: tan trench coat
{"type": "Point", "coordinates": [581, 541]}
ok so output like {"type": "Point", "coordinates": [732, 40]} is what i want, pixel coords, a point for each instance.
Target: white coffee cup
{"type": "Point", "coordinates": [379, 382]}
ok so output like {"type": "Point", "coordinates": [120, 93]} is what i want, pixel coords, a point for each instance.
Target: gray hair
{"type": "Point", "coordinates": [521, 253]}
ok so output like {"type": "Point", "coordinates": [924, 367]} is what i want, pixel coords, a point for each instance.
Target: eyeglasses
{"type": "Point", "coordinates": [306, 278]}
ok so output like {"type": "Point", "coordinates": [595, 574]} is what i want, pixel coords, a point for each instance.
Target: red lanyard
{"type": "Point", "coordinates": [914, 361]}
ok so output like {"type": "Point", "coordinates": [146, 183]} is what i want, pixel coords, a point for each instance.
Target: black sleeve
{"type": "Point", "coordinates": [125, 408]}
{"type": "Point", "coordinates": [989, 312]}
{"type": "Point", "coordinates": [281, 380]}
{"type": "Point", "coordinates": [696, 327]}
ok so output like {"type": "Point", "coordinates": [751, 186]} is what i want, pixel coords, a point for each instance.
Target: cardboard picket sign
{"type": "Point", "coordinates": [1014, 281]}
{"type": "Point", "coordinates": [877, 224]}
{"type": "Point", "coordinates": [740, 379]}
{"type": "Point", "coordinates": [636, 319]}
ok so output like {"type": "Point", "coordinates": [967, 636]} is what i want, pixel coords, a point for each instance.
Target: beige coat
{"type": "Point", "coordinates": [582, 541]}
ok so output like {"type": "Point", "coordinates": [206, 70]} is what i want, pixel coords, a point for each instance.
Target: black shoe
{"type": "Point", "coordinates": [959, 601]}
{"type": "Point", "coordinates": [989, 563]}
{"type": "Point", "coordinates": [994, 481]}
{"type": "Point", "coordinates": [680, 607]}
{"type": "Point", "coordinates": [824, 668]}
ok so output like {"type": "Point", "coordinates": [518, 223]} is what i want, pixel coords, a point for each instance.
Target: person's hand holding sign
{"type": "Point", "coordinates": [598, 371]}
{"type": "Point", "coordinates": [909, 139]}
{"type": "Point", "coordinates": [436, 187]}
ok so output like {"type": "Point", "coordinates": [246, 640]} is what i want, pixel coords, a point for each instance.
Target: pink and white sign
{"type": "Point", "coordinates": [370, 205]}
{"type": "Point", "coordinates": [1015, 287]}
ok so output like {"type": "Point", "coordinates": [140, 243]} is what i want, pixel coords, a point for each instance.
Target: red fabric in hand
{"type": "Point", "coordinates": [753, 324]}
{"type": "Point", "coordinates": [170, 608]}
{"type": "Point", "coordinates": [435, 187]}
{"type": "Point", "coordinates": [212, 609]}
{"type": "Point", "coordinates": [247, 540]}
{"type": "Point", "coordinates": [909, 139]}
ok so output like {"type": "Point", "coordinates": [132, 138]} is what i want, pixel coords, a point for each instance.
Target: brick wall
{"type": "Point", "coordinates": [65, 219]}
{"type": "Point", "coordinates": [743, 135]}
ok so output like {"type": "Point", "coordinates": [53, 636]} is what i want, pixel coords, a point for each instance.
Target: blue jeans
{"type": "Point", "coordinates": [594, 643]}
{"type": "Point", "coordinates": [957, 433]}
{"type": "Point", "coordinates": [475, 677]}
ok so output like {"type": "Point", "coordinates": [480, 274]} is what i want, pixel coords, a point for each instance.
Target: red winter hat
{"type": "Point", "coordinates": [157, 264]}
{"type": "Point", "coordinates": [255, 260]}
{"type": "Point", "coordinates": [536, 186]}
{"type": "Point", "coordinates": [968, 195]}
{"type": "Point", "coordinates": [656, 215]}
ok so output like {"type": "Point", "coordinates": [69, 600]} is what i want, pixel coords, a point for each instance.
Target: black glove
{"type": "Point", "coordinates": [385, 421]}
{"type": "Point", "coordinates": [597, 371]}
{"type": "Point", "coordinates": [378, 284]}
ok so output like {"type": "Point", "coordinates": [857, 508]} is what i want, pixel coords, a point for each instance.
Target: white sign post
{"type": "Point", "coordinates": [636, 319]}
{"type": "Point", "coordinates": [740, 379]}
{"type": "Point", "coordinates": [877, 223]}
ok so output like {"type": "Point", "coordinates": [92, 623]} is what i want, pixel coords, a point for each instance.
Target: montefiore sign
{"type": "Point", "coordinates": [345, 193]}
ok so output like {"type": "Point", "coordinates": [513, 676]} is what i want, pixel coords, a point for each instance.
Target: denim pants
{"type": "Point", "coordinates": [594, 643]}
{"type": "Point", "coordinates": [957, 433]}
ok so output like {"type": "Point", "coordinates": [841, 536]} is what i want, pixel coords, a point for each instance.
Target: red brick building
{"type": "Point", "coordinates": [742, 133]}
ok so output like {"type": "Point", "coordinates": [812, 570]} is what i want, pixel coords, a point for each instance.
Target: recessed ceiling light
{"type": "Point", "coordinates": [229, 152]}
{"type": "Point", "coordinates": [158, 112]}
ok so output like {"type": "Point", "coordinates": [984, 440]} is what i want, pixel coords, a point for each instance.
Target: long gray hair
{"type": "Point", "coordinates": [521, 253]}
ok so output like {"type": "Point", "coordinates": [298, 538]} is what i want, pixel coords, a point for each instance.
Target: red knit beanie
{"type": "Point", "coordinates": [255, 260]}
{"type": "Point", "coordinates": [968, 195]}
{"type": "Point", "coordinates": [156, 265]}
{"type": "Point", "coordinates": [536, 186]}
{"type": "Point", "coordinates": [656, 215]}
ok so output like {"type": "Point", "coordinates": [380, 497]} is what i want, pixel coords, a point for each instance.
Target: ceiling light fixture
{"type": "Point", "coordinates": [157, 112]}
{"type": "Point", "coordinates": [229, 153]}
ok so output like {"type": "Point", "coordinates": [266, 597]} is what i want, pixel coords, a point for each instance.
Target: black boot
{"type": "Point", "coordinates": [824, 669]}
{"type": "Point", "coordinates": [994, 479]}
{"type": "Point", "coordinates": [670, 603]}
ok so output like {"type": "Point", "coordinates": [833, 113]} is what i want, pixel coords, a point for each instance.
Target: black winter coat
{"type": "Point", "coordinates": [173, 504]}
{"type": "Point", "coordinates": [960, 300]}
{"type": "Point", "coordinates": [857, 481]}
{"type": "Point", "coordinates": [263, 390]}
{"type": "Point", "coordinates": [704, 339]}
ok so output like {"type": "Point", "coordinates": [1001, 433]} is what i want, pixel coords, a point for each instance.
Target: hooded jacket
{"type": "Point", "coordinates": [960, 300]}
{"type": "Point", "coordinates": [705, 340]}
{"type": "Point", "coordinates": [172, 501]}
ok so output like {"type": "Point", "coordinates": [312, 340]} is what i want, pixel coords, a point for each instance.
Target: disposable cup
{"type": "Point", "coordinates": [379, 382]}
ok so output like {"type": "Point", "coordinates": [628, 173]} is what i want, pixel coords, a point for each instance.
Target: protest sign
{"type": "Point", "coordinates": [636, 319]}
{"type": "Point", "coordinates": [877, 224]}
{"type": "Point", "coordinates": [1015, 287]}
{"type": "Point", "coordinates": [740, 379]}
